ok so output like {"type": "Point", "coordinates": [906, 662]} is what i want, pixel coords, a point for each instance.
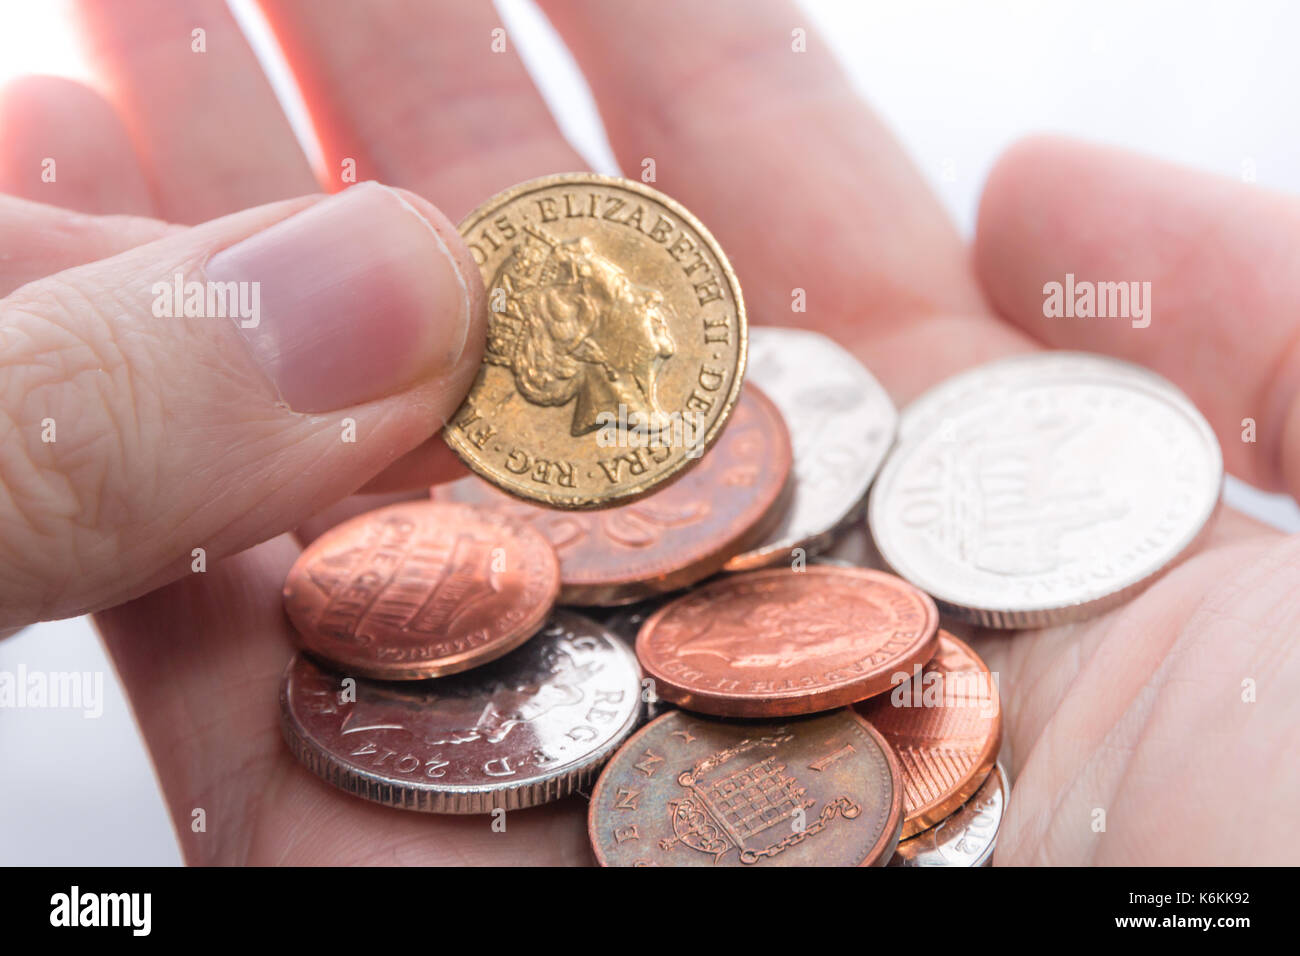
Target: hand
{"type": "Point", "coordinates": [1138, 712]}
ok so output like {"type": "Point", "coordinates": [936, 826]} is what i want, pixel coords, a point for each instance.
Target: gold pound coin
{"type": "Point", "coordinates": [615, 347]}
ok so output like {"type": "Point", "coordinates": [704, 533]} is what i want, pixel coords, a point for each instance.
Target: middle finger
{"type": "Point", "coordinates": [413, 92]}
{"type": "Point", "coordinates": [204, 120]}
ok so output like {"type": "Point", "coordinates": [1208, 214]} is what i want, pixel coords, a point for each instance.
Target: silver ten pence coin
{"type": "Point", "coordinates": [965, 838]}
{"type": "Point", "coordinates": [1044, 488]}
{"type": "Point", "coordinates": [527, 728]}
{"type": "Point", "coordinates": [841, 423]}
{"type": "Point", "coordinates": [932, 409]}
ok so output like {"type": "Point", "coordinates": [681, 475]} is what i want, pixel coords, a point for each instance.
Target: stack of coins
{"type": "Point", "coordinates": [414, 690]}
{"type": "Point", "coordinates": [752, 697]}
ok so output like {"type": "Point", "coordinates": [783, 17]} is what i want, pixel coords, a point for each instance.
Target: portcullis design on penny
{"type": "Point", "coordinates": [693, 791]}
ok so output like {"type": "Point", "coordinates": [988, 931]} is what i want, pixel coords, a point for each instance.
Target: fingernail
{"type": "Point", "coordinates": [359, 297]}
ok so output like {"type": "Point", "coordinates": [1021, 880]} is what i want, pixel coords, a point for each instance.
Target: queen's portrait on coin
{"type": "Point", "coordinates": [573, 326]}
{"type": "Point", "coordinates": [780, 635]}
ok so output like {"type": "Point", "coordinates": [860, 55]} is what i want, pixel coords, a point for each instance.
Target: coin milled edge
{"type": "Point", "coordinates": [452, 798]}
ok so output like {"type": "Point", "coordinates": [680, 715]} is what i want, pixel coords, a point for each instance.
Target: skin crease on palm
{"type": "Point", "coordinates": [1139, 713]}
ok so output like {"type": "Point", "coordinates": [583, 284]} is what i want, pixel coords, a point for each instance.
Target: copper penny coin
{"type": "Point", "coordinates": [780, 641]}
{"type": "Point", "coordinates": [945, 725]}
{"type": "Point", "coordinates": [690, 791]}
{"type": "Point", "coordinates": [528, 728]}
{"type": "Point", "coordinates": [420, 589]}
{"type": "Point", "coordinates": [680, 534]}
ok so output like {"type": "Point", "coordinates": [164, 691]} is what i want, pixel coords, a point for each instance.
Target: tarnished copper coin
{"type": "Point", "coordinates": [421, 589]}
{"type": "Point", "coordinates": [944, 721]}
{"type": "Point", "coordinates": [782, 641]}
{"type": "Point", "coordinates": [615, 344]}
{"type": "Point", "coordinates": [690, 791]}
{"type": "Point", "coordinates": [680, 534]}
{"type": "Point", "coordinates": [531, 727]}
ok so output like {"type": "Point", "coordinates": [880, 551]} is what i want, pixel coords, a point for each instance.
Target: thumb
{"type": "Point", "coordinates": [146, 432]}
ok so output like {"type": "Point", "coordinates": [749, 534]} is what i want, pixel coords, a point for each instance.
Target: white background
{"type": "Point", "coordinates": [1212, 85]}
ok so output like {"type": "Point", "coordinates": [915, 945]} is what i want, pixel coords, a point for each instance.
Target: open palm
{"type": "Point", "coordinates": [1139, 713]}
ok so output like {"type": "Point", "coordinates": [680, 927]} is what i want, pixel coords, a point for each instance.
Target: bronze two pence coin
{"type": "Point", "coordinates": [421, 589]}
{"type": "Point", "coordinates": [693, 791]}
{"type": "Point", "coordinates": [677, 536]}
{"type": "Point", "coordinates": [945, 726]}
{"type": "Point", "coordinates": [784, 641]}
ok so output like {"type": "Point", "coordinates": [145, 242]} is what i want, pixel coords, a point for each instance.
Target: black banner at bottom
{"type": "Point", "coordinates": [504, 907]}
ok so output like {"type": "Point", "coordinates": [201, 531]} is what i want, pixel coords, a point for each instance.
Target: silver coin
{"type": "Point", "coordinates": [968, 836]}
{"type": "Point", "coordinates": [527, 728]}
{"type": "Point", "coordinates": [1045, 488]}
{"type": "Point", "coordinates": [931, 409]}
{"type": "Point", "coordinates": [841, 423]}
